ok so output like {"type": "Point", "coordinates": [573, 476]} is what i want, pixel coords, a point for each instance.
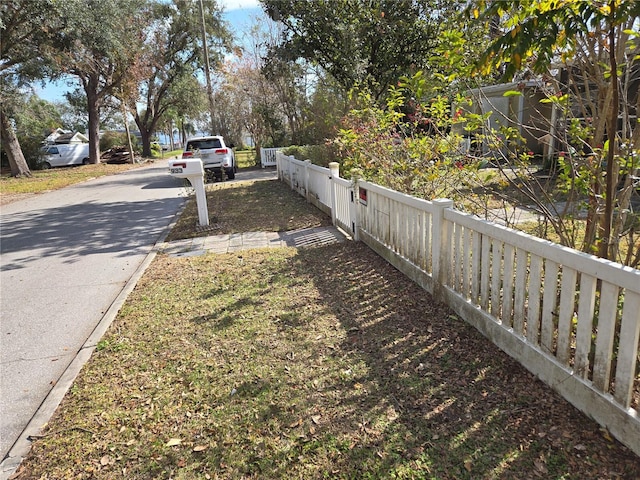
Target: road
{"type": "Point", "coordinates": [66, 257]}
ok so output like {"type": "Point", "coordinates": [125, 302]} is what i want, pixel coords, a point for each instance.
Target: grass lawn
{"type": "Point", "coordinates": [249, 207]}
{"type": "Point", "coordinates": [307, 364]}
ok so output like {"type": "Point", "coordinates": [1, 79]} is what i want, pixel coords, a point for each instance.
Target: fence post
{"type": "Point", "coordinates": [291, 172]}
{"type": "Point", "coordinates": [441, 249]}
{"type": "Point", "coordinates": [354, 208]}
{"type": "Point", "coordinates": [334, 168]}
{"type": "Point", "coordinates": [307, 163]}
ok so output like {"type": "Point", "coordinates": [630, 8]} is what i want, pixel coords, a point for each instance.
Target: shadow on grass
{"type": "Point", "coordinates": [425, 396]}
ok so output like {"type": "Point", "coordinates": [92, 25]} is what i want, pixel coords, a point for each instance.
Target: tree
{"type": "Point", "coordinates": [596, 44]}
{"type": "Point", "coordinates": [34, 120]}
{"type": "Point", "coordinates": [98, 42]}
{"type": "Point", "coordinates": [370, 44]}
{"type": "Point", "coordinates": [22, 26]}
{"type": "Point", "coordinates": [173, 55]}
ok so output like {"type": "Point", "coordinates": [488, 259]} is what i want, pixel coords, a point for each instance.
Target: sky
{"type": "Point", "coordinates": [239, 14]}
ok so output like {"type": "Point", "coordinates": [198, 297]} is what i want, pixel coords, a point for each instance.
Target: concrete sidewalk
{"type": "Point", "coordinates": [307, 237]}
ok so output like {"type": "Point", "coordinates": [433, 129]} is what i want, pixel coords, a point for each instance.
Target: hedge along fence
{"type": "Point", "coordinates": [571, 319]}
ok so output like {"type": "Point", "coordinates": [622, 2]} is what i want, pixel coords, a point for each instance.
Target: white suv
{"type": "Point", "coordinates": [217, 158]}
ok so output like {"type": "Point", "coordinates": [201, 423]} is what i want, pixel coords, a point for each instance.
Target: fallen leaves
{"type": "Point", "coordinates": [214, 381]}
{"type": "Point", "coordinates": [173, 442]}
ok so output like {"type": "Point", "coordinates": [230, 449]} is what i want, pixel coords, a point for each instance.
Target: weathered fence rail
{"type": "Point", "coordinates": [570, 318]}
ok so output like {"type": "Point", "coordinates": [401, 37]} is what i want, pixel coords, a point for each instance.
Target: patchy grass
{"type": "Point", "coordinates": [308, 364]}
{"type": "Point", "coordinates": [55, 178]}
{"type": "Point", "coordinates": [246, 158]}
{"type": "Point", "coordinates": [249, 207]}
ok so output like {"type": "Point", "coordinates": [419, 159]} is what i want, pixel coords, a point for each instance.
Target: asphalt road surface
{"type": "Point", "coordinates": [66, 257]}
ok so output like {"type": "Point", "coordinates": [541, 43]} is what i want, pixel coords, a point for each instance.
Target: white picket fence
{"type": "Point", "coordinates": [570, 318]}
{"type": "Point", "coordinates": [268, 157]}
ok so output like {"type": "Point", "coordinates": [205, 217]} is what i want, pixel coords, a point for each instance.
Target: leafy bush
{"type": "Point", "coordinates": [407, 144]}
{"type": "Point", "coordinates": [320, 155]}
{"type": "Point", "coordinates": [32, 151]}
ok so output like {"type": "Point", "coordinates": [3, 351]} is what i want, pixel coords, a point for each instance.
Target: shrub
{"type": "Point", "coordinates": [320, 155]}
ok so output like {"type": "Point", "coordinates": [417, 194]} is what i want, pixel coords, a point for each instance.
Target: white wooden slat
{"type": "Point", "coordinates": [628, 349]}
{"type": "Point", "coordinates": [409, 242]}
{"type": "Point", "coordinates": [422, 244]}
{"type": "Point", "coordinates": [392, 240]}
{"type": "Point", "coordinates": [404, 231]}
{"type": "Point", "coordinates": [496, 278]}
{"type": "Point", "coordinates": [448, 259]}
{"type": "Point", "coordinates": [458, 258]}
{"type": "Point", "coordinates": [386, 220]}
{"type": "Point", "coordinates": [507, 289]}
{"type": "Point", "coordinates": [520, 291]}
{"type": "Point", "coordinates": [565, 313]}
{"type": "Point", "coordinates": [428, 238]}
{"type": "Point", "coordinates": [533, 306]}
{"type": "Point", "coordinates": [475, 267]}
{"type": "Point", "coordinates": [400, 226]}
{"type": "Point", "coordinates": [604, 337]}
{"type": "Point", "coordinates": [466, 262]}
{"type": "Point", "coordinates": [485, 272]}
{"type": "Point", "coordinates": [549, 307]}
{"type": "Point", "coordinates": [625, 277]}
{"type": "Point", "coordinates": [372, 210]}
{"type": "Point", "coordinates": [584, 330]}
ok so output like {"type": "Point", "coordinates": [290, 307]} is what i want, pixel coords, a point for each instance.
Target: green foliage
{"type": "Point", "coordinates": [370, 43]}
{"type": "Point", "coordinates": [34, 120]}
{"type": "Point", "coordinates": [407, 145]}
{"type": "Point", "coordinates": [536, 32]}
{"type": "Point", "coordinates": [318, 154]}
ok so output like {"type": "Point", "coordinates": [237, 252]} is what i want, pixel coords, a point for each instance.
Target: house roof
{"type": "Point", "coordinates": [76, 137]}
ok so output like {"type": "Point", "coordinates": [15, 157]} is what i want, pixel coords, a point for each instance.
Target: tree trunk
{"type": "Point", "coordinates": [146, 141]}
{"type": "Point", "coordinates": [126, 129]}
{"type": "Point", "coordinates": [612, 131]}
{"type": "Point", "coordinates": [93, 108]}
{"type": "Point", "coordinates": [11, 145]}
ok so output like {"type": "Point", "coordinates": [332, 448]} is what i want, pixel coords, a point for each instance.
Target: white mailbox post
{"type": "Point", "coordinates": [192, 170]}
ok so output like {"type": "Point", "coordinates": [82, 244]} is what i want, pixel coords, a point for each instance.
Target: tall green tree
{"type": "Point", "coordinates": [98, 42]}
{"type": "Point", "coordinates": [173, 56]}
{"type": "Point", "coordinates": [23, 25]}
{"type": "Point", "coordinates": [369, 43]}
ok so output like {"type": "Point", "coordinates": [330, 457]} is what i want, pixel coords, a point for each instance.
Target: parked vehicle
{"type": "Point", "coordinates": [217, 158]}
{"type": "Point", "coordinates": [61, 155]}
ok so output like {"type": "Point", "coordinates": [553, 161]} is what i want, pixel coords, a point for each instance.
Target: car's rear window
{"type": "Point", "coordinates": [204, 144]}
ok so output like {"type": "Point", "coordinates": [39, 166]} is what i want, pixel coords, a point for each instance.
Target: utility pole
{"type": "Point", "coordinates": [206, 69]}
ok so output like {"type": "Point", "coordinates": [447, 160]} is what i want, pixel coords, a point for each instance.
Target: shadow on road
{"type": "Point", "coordinates": [84, 229]}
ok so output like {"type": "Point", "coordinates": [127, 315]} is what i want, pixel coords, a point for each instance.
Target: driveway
{"type": "Point", "coordinates": [66, 257]}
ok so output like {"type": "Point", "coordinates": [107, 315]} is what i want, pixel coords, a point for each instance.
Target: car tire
{"type": "Point", "coordinates": [231, 174]}
{"type": "Point", "coordinates": [85, 161]}
{"type": "Point", "coordinates": [46, 166]}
